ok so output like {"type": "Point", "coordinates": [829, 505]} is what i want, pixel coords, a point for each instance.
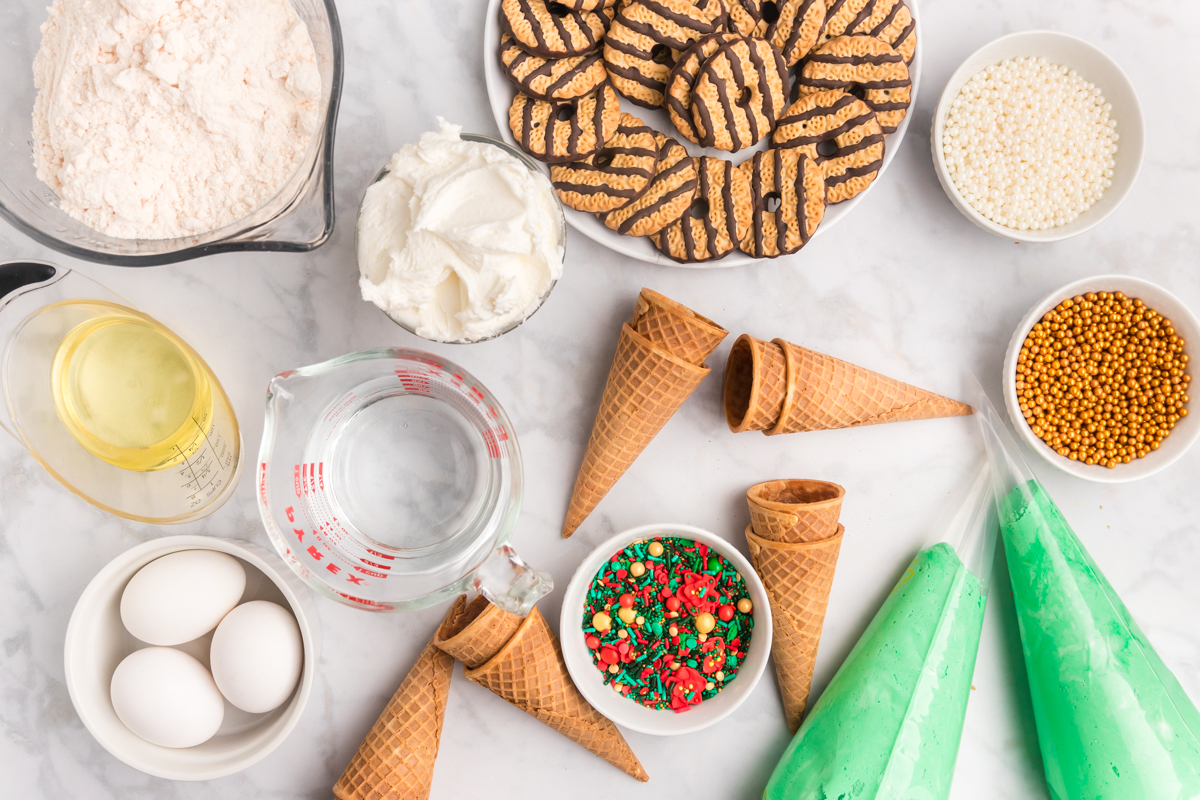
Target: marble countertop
{"type": "Point", "coordinates": [906, 286]}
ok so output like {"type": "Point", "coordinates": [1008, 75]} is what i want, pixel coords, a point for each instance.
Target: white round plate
{"type": "Point", "coordinates": [1094, 65]}
{"type": "Point", "coordinates": [501, 92]}
{"type": "Point", "coordinates": [1186, 430]}
{"type": "Point", "coordinates": [621, 709]}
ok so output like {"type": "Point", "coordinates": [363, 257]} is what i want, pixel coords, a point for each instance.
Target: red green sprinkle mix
{"type": "Point", "coordinates": [668, 621]}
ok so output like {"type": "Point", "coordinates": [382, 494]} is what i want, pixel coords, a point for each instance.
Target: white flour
{"type": "Point", "coordinates": [163, 118]}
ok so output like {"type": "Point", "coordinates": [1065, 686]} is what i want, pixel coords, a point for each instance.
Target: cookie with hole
{"type": "Point", "coordinates": [787, 195]}
{"type": "Point", "coordinates": [865, 67]}
{"type": "Point", "coordinates": [615, 176]}
{"type": "Point", "coordinates": [739, 93]}
{"type": "Point", "coordinates": [562, 131]}
{"type": "Point", "coordinates": [551, 29]}
{"type": "Point", "coordinates": [716, 220]}
{"type": "Point", "coordinates": [840, 133]}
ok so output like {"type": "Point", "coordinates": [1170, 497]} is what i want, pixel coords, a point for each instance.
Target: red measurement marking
{"type": "Point", "coordinates": [362, 602]}
{"type": "Point", "coordinates": [357, 581]}
{"type": "Point", "coordinates": [334, 568]}
{"type": "Point", "coordinates": [373, 574]}
{"type": "Point", "coordinates": [413, 381]}
{"type": "Point", "coordinates": [315, 553]}
{"type": "Point", "coordinates": [381, 555]}
{"type": "Point", "coordinates": [262, 483]}
{"type": "Point", "coordinates": [373, 564]}
{"type": "Point", "coordinates": [490, 439]}
{"type": "Point", "coordinates": [321, 472]}
{"type": "Point", "coordinates": [299, 534]}
{"type": "Point", "coordinates": [478, 395]}
{"type": "Point", "coordinates": [296, 478]}
{"type": "Point", "coordinates": [291, 513]}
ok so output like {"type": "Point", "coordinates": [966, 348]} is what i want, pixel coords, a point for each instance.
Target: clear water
{"type": "Point", "coordinates": [405, 471]}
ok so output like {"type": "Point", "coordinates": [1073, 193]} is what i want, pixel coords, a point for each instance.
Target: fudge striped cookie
{"type": "Point", "coordinates": [551, 29]}
{"type": "Point", "coordinates": [551, 78]}
{"type": "Point", "coordinates": [716, 220]}
{"type": "Point", "coordinates": [739, 94]}
{"type": "Point", "coordinates": [867, 68]}
{"type": "Point", "coordinates": [793, 26]}
{"type": "Point", "coordinates": [674, 23]}
{"type": "Point", "coordinates": [613, 177]}
{"type": "Point", "coordinates": [787, 195]}
{"type": "Point", "coordinates": [568, 130]}
{"type": "Point", "coordinates": [891, 21]}
{"type": "Point", "coordinates": [840, 133]}
{"type": "Point", "coordinates": [665, 199]}
{"type": "Point", "coordinates": [683, 78]}
{"type": "Point", "coordinates": [638, 66]}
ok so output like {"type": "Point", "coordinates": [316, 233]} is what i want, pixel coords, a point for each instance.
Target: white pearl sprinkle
{"type": "Point", "coordinates": [1029, 144]}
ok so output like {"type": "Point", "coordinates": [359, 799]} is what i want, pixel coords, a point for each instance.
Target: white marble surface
{"type": "Point", "coordinates": [907, 286]}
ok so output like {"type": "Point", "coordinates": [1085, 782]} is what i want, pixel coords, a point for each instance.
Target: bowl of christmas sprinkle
{"type": "Point", "coordinates": [666, 628]}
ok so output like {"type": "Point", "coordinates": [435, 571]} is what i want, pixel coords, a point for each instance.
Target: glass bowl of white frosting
{"type": "Point", "coordinates": [291, 211]}
{"type": "Point", "coordinates": [460, 238]}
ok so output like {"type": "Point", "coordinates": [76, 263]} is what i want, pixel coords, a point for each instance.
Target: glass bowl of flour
{"type": "Point", "coordinates": [155, 189]}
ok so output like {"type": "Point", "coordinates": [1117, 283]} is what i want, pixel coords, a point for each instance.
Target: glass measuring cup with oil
{"type": "Point", "coordinates": [115, 405]}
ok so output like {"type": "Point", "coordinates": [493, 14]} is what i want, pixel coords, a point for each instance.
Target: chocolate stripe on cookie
{"type": "Point", "coordinates": [827, 58]}
{"type": "Point", "coordinates": [887, 20]}
{"type": "Point", "coordinates": [853, 172]}
{"type": "Point", "coordinates": [818, 111]}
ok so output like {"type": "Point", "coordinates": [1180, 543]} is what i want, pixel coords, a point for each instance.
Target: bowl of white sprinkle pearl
{"type": "Point", "coordinates": [1038, 136]}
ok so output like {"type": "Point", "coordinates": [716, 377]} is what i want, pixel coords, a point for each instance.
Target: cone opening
{"type": "Point", "coordinates": [795, 492]}
{"type": "Point", "coordinates": [649, 296]}
{"type": "Point", "coordinates": [454, 625]}
{"type": "Point", "coordinates": [739, 382]}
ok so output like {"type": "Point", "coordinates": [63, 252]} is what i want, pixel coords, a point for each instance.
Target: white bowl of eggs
{"type": "Point", "coordinates": [1038, 136]}
{"type": "Point", "coordinates": [192, 657]}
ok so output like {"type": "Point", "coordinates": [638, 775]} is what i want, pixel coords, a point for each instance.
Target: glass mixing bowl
{"type": "Point", "coordinates": [297, 219]}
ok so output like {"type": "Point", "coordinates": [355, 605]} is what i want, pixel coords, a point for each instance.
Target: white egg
{"type": "Point", "coordinates": [256, 656]}
{"type": "Point", "coordinates": [167, 697]}
{"type": "Point", "coordinates": [181, 596]}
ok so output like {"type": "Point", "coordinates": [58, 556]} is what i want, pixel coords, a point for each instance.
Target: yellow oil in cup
{"type": "Point", "coordinates": [127, 390]}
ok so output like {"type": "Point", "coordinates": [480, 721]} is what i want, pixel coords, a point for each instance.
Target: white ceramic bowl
{"type": "Point", "coordinates": [1186, 430]}
{"type": "Point", "coordinates": [626, 712]}
{"type": "Point", "coordinates": [97, 642]}
{"type": "Point", "coordinates": [1094, 65]}
{"type": "Point", "coordinates": [501, 92]}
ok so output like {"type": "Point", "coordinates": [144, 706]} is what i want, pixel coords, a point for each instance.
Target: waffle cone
{"type": "Point", "coordinates": [755, 384]}
{"type": "Point", "coordinates": [646, 386]}
{"type": "Point", "coordinates": [675, 328]}
{"type": "Point", "coordinates": [474, 632]}
{"type": "Point", "coordinates": [798, 577]}
{"type": "Point", "coordinates": [825, 392]}
{"type": "Point", "coordinates": [529, 672]}
{"type": "Point", "coordinates": [395, 761]}
{"type": "Point", "coordinates": [795, 510]}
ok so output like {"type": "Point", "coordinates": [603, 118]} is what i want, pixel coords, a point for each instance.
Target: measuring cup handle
{"type": "Point", "coordinates": [508, 582]}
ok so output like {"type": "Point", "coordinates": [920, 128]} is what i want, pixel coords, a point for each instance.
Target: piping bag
{"type": "Point", "coordinates": [1112, 721]}
{"type": "Point", "coordinates": [889, 723]}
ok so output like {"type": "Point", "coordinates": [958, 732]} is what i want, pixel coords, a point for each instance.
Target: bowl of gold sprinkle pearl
{"type": "Point", "coordinates": [1038, 136]}
{"type": "Point", "coordinates": [1097, 378]}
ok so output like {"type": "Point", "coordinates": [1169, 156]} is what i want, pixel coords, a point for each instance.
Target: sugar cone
{"type": "Point", "coordinates": [795, 510]}
{"type": "Point", "coordinates": [675, 328]}
{"type": "Point", "coordinates": [798, 577]}
{"type": "Point", "coordinates": [395, 761]}
{"type": "Point", "coordinates": [755, 383]}
{"type": "Point", "coordinates": [476, 632]}
{"type": "Point", "coordinates": [646, 386]}
{"type": "Point", "coordinates": [825, 392]}
{"type": "Point", "coordinates": [529, 672]}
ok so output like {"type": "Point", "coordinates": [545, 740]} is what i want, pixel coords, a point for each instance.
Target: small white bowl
{"type": "Point", "coordinates": [1186, 430]}
{"type": "Point", "coordinates": [97, 642]}
{"type": "Point", "coordinates": [1094, 65]}
{"type": "Point", "coordinates": [621, 709]}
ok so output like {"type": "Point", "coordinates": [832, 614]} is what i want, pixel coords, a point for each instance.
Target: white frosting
{"type": "Point", "coordinates": [460, 240]}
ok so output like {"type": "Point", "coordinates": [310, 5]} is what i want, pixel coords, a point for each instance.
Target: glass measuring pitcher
{"type": "Point", "coordinates": [116, 406]}
{"type": "Point", "coordinates": [391, 480]}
